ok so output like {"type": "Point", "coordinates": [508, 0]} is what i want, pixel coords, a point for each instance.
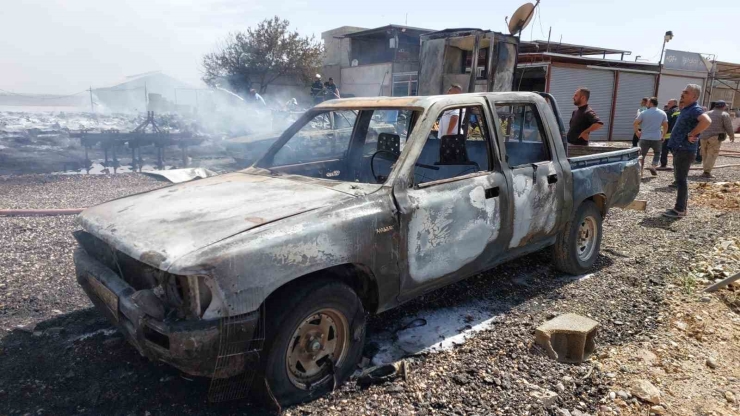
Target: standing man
{"type": "Point", "coordinates": [331, 89]}
{"type": "Point", "coordinates": [449, 121]}
{"type": "Point", "coordinates": [712, 138]}
{"type": "Point", "coordinates": [683, 143]}
{"type": "Point", "coordinates": [672, 112]}
{"type": "Point", "coordinates": [643, 107]}
{"type": "Point", "coordinates": [317, 90]}
{"type": "Point", "coordinates": [649, 127]}
{"type": "Point", "coordinates": [584, 120]}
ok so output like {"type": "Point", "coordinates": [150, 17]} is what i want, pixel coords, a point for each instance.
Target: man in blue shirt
{"type": "Point", "coordinates": [649, 128]}
{"type": "Point", "coordinates": [683, 144]}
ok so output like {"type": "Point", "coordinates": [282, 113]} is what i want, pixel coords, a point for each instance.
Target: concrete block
{"type": "Point", "coordinates": [568, 338]}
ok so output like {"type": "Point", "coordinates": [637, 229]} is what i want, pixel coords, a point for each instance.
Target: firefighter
{"type": "Point", "coordinates": [317, 90]}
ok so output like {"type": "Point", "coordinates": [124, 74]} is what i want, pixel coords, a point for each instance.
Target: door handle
{"type": "Point", "coordinates": [492, 192]}
{"type": "Point", "coordinates": [552, 178]}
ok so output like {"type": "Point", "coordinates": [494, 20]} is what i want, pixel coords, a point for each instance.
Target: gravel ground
{"type": "Point", "coordinates": [66, 360]}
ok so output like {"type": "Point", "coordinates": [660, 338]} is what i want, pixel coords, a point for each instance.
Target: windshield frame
{"type": "Point", "coordinates": [265, 161]}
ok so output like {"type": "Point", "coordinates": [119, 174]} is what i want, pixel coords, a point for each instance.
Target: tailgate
{"type": "Point", "coordinates": [597, 155]}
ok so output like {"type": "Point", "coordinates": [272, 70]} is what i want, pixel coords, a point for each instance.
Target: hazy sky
{"type": "Point", "coordinates": [58, 46]}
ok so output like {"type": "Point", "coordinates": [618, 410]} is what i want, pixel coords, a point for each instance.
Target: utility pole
{"type": "Point", "coordinates": [92, 109]}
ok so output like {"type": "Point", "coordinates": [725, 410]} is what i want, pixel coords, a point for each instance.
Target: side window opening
{"type": "Point", "coordinates": [523, 133]}
{"type": "Point", "coordinates": [458, 145]}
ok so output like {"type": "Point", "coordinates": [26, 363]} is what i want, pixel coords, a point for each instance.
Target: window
{"type": "Point", "coordinates": [405, 84]}
{"type": "Point", "coordinates": [325, 137]}
{"type": "Point", "coordinates": [523, 134]}
{"type": "Point", "coordinates": [482, 62]}
{"type": "Point", "coordinates": [458, 145]}
{"type": "Point", "coordinates": [351, 146]}
{"type": "Point", "coordinates": [387, 121]}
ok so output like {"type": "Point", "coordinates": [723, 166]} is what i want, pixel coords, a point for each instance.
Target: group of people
{"type": "Point", "coordinates": [324, 91]}
{"type": "Point", "coordinates": [682, 128]}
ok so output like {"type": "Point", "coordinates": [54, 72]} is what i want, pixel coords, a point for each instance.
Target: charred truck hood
{"type": "Point", "coordinates": [160, 226]}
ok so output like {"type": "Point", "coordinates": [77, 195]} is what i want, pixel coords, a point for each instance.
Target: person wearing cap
{"type": "Point", "coordinates": [317, 90]}
{"type": "Point", "coordinates": [712, 138]}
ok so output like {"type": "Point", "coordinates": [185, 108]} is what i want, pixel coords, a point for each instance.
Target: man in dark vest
{"type": "Point", "coordinates": [317, 90]}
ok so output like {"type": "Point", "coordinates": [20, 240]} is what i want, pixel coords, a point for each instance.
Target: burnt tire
{"type": "Point", "coordinates": [294, 320]}
{"type": "Point", "coordinates": [577, 246]}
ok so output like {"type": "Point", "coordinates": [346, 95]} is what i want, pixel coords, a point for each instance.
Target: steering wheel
{"type": "Point", "coordinates": [395, 156]}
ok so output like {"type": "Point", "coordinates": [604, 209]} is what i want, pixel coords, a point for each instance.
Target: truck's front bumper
{"type": "Point", "coordinates": [191, 346]}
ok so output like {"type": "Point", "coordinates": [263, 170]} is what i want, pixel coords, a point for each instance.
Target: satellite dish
{"type": "Point", "coordinates": [521, 18]}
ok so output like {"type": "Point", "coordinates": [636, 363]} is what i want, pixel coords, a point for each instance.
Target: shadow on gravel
{"type": "Point", "coordinates": [700, 179]}
{"type": "Point", "coordinates": [664, 223]}
{"type": "Point", "coordinates": [78, 363]}
{"type": "Point", "coordinates": [665, 189]}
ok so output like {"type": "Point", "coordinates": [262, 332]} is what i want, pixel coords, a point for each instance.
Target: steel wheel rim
{"type": "Point", "coordinates": [320, 339]}
{"type": "Point", "coordinates": [586, 241]}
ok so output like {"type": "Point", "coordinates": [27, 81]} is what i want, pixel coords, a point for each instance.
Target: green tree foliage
{"type": "Point", "coordinates": [263, 54]}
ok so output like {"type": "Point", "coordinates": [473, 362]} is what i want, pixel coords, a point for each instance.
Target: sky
{"type": "Point", "coordinates": [66, 46]}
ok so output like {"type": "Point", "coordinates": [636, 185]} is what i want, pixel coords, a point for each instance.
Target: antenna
{"type": "Point", "coordinates": [521, 18]}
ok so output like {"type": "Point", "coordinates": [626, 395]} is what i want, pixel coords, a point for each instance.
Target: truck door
{"type": "Point", "coordinates": [452, 211]}
{"type": "Point", "coordinates": [536, 175]}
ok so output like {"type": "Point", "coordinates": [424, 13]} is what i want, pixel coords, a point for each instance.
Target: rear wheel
{"type": "Point", "coordinates": [577, 247]}
{"type": "Point", "coordinates": [315, 337]}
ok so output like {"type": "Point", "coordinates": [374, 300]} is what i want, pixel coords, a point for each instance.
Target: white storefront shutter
{"type": "Point", "coordinates": [671, 86]}
{"type": "Point", "coordinates": [632, 88]}
{"type": "Point", "coordinates": [565, 81]}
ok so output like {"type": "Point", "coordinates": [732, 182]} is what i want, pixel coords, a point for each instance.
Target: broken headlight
{"type": "Point", "coordinates": [189, 296]}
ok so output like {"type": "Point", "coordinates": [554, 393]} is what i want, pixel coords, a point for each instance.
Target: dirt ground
{"type": "Point", "coordinates": [58, 356]}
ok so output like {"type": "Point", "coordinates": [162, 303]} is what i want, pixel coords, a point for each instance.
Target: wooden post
{"type": "Point", "coordinates": [474, 64]}
{"type": "Point", "coordinates": [614, 106]}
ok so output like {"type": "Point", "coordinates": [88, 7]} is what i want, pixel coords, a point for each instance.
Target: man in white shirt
{"type": "Point", "coordinates": [450, 119]}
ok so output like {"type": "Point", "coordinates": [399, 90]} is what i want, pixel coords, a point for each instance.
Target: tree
{"type": "Point", "coordinates": [262, 55]}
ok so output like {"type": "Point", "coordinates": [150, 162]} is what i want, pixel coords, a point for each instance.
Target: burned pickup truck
{"type": "Point", "coordinates": [284, 260]}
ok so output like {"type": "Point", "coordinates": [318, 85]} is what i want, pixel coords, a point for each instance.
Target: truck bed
{"type": "Point", "coordinates": [614, 174]}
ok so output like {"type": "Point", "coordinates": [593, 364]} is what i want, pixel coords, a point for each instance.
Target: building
{"type": "Point", "coordinates": [373, 62]}
{"type": "Point", "coordinates": [447, 57]}
{"type": "Point", "coordinates": [680, 69]}
{"type": "Point", "coordinates": [724, 84]}
{"type": "Point", "coordinates": [616, 85]}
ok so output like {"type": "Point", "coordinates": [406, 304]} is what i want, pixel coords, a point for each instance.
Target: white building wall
{"type": "Point", "coordinates": [366, 80]}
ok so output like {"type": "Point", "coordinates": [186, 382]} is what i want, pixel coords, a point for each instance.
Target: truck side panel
{"type": "Point", "coordinates": [618, 181]}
